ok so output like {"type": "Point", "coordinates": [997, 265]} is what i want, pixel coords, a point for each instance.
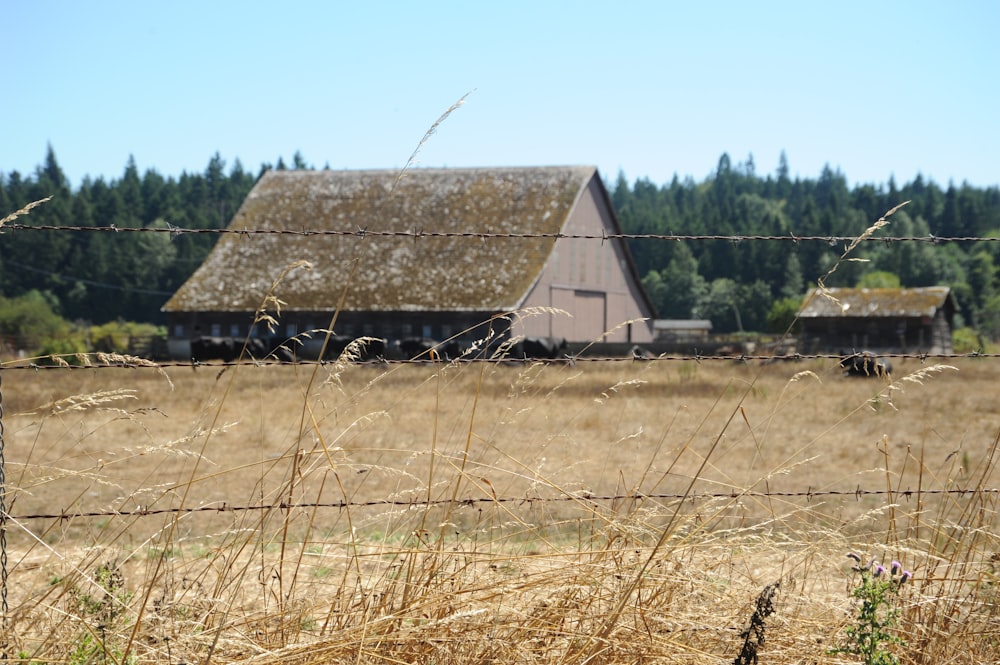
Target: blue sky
{"type": "Point", "coordinates": [652, 89]}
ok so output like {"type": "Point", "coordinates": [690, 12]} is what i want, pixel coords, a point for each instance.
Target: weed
{"type": "Point", "coordinates": [322, 572]}
{"type": "Point", "coordinates": [103, 614]}
{"type": "Point", "coordinates": [874, 629]}
{"type": "Point", "coordinates": [753, 636]}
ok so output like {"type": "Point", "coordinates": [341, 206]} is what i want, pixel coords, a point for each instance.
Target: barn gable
{"type": "Point", "coordinates": [887, 320]}
{"type": "Point", "coordinates": [439, 282]}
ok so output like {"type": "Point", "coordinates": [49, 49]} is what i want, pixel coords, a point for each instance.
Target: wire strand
{"type": "Point", "coordinates": [414, 234]}
{"type": "Point", "coordinates": [857, 493]}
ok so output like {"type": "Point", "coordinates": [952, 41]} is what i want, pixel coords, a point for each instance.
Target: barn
{"type": "Point", "coordinates": [917, 320]}
{"type": "Point", "coordinates": [403, 255]}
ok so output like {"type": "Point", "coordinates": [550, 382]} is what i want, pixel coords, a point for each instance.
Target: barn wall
{"type": "Point", "coordinates": [591, 280]}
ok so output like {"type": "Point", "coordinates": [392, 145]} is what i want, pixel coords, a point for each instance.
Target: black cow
{"type": "Point", "coordinates": [271, 349]}
{"type": "Point", "coordinates": [335, 346]}
{"type": "Point", "coordinates": [228, 349]}
{"type": "Point", "coordinates": [257, 348]}
{"type": "Point", "coordinates": [374, 348]}
{"type": "Point", "coordinates": [542, 348]}
{"type": "Point", "coordinates": [866, 364]}
{"type": "Point", "coordinates": [367, 349]}
{"type": "Point", "coordinates": [364, 349]}
{"type": "Point", "coordinates": [424, 347]}
{"type": "Point", "coordinates": [639, 353]}
{"type": "Point", "coordinates": [205, 348]}
{"type": "Point", "coordinates": [451, 349]}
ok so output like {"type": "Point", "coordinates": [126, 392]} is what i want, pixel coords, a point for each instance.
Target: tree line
{"type": "Point", "coordinates": [101, 277]}
{"type": "Point", "coordinates": [752, 286]}
{"type": "Point", "coordinates": [749, 286]}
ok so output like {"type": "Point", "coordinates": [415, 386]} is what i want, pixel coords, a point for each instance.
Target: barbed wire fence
{"type": "Point", "coordinates": [417, 233]}
{"type": "Point", "coordinates": [109, 361]}
{"type": "Point", "coordinates": [857, 494]}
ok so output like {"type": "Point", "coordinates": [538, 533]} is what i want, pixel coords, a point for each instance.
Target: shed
{"type": "Point", "coordinates": [430, 252]}
{"type": "Point", "coordinates": [682, 330]}
{"type": "Point", "coordinates": [884, 320]}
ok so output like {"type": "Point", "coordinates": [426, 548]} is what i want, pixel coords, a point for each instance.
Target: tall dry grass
{"type": "Point", "coordinates": [496, 513]}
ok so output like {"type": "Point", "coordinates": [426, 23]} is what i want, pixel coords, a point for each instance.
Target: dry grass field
{"type": "Point", "coordinates": [602, 512]}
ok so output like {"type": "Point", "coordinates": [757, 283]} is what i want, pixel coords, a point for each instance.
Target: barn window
{"type": "Point", "coordinates": [406, 330]}
{"type": "Point", "coordinates": [179, 330]}
{"type": "Point", "coordinates": [216, 330]}
{"type": "Point", "coordinates": [428, 330]}
{"type": "Point", "coordinates": [445, 331]}
{"type": "Point", "coordinates": [234, 330]}
{"type": "Point", "coordinates": [290, 330]}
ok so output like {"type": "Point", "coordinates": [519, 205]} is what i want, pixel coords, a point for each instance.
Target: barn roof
{"type": "Point", "coordinates": [875, 303]}
{"type": "Point", "coordinates": [385, 273]}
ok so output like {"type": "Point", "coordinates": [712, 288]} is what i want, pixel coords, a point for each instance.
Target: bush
{"type": "Point", "coordinates": [67, 346]}
{"type": "Point", "coordinates": [117, 336]}
{"type": "Point", "coordinates": [783, 313]}
{"type": "Point", "coordinates": [33, 320]}
{"type": "Point", "coordinates": [968, 340]}
{"type": "Point", "coordinates": [31, 316]}
{"type": "Point", "coordinates": [879, 279]}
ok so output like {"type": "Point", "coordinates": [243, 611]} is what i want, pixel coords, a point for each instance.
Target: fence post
{"type": "Point", "coordinates": [4, 620]}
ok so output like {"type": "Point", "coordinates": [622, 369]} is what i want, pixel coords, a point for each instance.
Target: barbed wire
{"type": "Point", "coordinates": [416, 233]}
{"type": "Point", "coordinates": [858, 494]}
{"type": "Point", "coordinates": [141, 363]}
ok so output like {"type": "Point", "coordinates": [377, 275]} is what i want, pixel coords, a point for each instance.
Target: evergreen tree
{"type": "Point", "coordinates": [982, 279]}
{"type": "Point", "coordinates": [783, 172]}
{"type": "Point", "coordinates": [792, 284]}
{"type": "Point", "coordinates": [684, 286]}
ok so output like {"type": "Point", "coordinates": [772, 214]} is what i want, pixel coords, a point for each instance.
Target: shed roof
{"type": "Point", "coordinates": [681, 324]}
{"type": "Point", "coordinates": [875, 303]}
{"type": "Point", "coordinates": [429, 273]}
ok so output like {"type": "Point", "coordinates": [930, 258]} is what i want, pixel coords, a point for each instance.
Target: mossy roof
{"type": "Point", "coordinates": [384, 273]}
{"type": "Point", "coordinates": [875, 303]}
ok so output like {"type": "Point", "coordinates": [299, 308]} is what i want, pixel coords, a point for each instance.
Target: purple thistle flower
{"type": "Point", "coordinates": [905, 576]}
{"type": "Point", "coordinates": [879, 569]}
{"type": "Point", "coordinates": [895, 567]}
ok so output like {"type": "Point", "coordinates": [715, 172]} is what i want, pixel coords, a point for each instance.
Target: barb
{"type": "Point", "coordinates": [23, 211]}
